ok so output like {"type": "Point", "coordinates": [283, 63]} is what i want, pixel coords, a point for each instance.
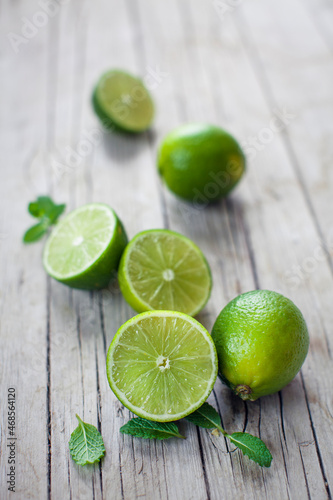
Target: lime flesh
{"type": "Point", "coordinates": [161, 269]}
{"type": "Point", "coordinates": [122, 100]}
{"type": "Point", "coordinates": [162, 365]}
{"type": "Point", "coordinates": [84, 248]}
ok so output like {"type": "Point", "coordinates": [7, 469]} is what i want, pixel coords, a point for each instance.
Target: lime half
{"type": "Point", "coordinates": [161, 269]}
{"type": "Point", "coordinates": [84, 249]}
{"type": "Point", "coordinates": [162, 365]}
{"type": "Point", "coordinates": [123, 100]}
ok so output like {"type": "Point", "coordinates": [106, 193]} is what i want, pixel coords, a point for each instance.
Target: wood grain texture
{"type": "Point", "coordinates": [239, 66]}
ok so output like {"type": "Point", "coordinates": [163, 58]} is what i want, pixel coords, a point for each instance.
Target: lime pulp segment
{"type": "Point", "coordinates": [162, 365]}
{"type": "Point", "coordinates": [124, 100]}
{"type": "Point", "coordinates": [161, 269]}
{"type": "Point", "coordinates": [86, 244]}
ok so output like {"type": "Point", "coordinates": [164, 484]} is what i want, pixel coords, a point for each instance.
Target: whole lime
{"type": "Point", "coordinates": [261, 340]}
{"type": "Point", "coordinates": [200, 163]}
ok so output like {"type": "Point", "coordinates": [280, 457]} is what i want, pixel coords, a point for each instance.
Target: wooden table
{"type": "Point", "coordinates": [264, 71]}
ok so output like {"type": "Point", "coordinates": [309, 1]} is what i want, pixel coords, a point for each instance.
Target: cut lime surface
{"type": "Point", "coordinates": [161, 269]}
{"type": "Point", "coordinates": [123, 100]}
{"type": "Point", "coordinates": [162, 365]}
{"type": "Point", "coordinates": [84, 249]}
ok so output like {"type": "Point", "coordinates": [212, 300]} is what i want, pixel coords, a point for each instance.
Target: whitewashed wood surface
{"type": "Point", "coordinates": [235, 63]}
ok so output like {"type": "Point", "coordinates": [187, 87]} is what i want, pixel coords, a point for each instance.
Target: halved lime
{"type": "Point", "coordinates": [84, 249]}
{"type": "Point", "coordinates": [123, 100]}
{"type": "Point", "coordinates": [162, 365]}
{"type": "Point", "coordinates": [161, 269]}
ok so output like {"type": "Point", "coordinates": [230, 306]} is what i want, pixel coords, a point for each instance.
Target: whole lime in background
{"type": "Point", "coordinates": [261, 340]}
{"type": "Point", "coordinates": [84, 248]}
{"type": "Point", "coordinates": [200, 163]}
{"type": "Point", "coordinates": [122, 102]}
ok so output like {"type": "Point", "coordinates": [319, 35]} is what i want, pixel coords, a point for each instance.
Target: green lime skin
{"type": "Point", "coordinates": [200, 163]}
{"type": "Point", "coordinates": [261, 340]}
{"type": "Point", "coordinates": [122, 102]}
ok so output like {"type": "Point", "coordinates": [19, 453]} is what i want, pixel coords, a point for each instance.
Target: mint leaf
{"type": "Point", "coordinates": [147, 429]}
{"type": "Point", "coordinates": [45, 210]}
{"type": "Point", "coordinates": [206, 416]}
{"type": "Point", "coordinates": [56, 212]}
{"type": "Point", "coordinates": [86, 444]}
{"type": "Point", "coordinates": [253, 447]}
{"type": "Point", "coordinates": [43, 205]}
{"type": "Point", "coordinates": [34, 233]}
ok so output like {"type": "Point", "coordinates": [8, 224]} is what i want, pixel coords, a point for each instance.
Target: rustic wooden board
{"type": "Point", "coordinates": [233, 63]}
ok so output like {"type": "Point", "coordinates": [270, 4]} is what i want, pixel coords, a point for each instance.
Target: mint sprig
{"type": "Point", "coordinates": [147, 429]}
{"type": "Point", "coordinates": [47, 212]}
{"type": "Point", "coordinates": [207, 417]}
{"type": "Point", "coordinates": [86, 444]}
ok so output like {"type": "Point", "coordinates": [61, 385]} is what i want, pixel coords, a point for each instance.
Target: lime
{"type": "Point", "coordinates": [122, 100]}
{"type": "Point", "coordinates": [84, 249]}
{"type": "Point", "coordinates": [261, 340]}
{"type": "Point", "coordinates": [162, 365]}
{"type": "Point", "coordinates": [161, 269]}
{"type": "Point", "coordinates": [200, 163]}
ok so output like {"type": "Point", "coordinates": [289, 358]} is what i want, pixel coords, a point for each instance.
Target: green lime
{"type": "Point", "coordinates": [122, 100]}
{"type": "Point", "coordinates": [200, 163]}
{"type": "Point", "coordinates": [162, 365]}
{"type": "Point", "coordinates": [261, 340]}
{"type": "Point", "coordinates": [84, 248]}
{"type": "Point", "coordinates": [161, 269]}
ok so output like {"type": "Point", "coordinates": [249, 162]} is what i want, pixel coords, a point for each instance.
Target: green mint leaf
{"type": "Point", "coordinates": [45, 210]}
{"type": "Point", "coordinates": [86, 444]}
{"type": "Point", "coordinates": [253, 447]}
{"type": "Point", "coordinates": [34, 233]}
{"type": "Point", "coordinates": [206, 416]}
{"type": "Point", "coordinates": [42, 206]}
{"type": "Point", "coordinates": [55, 213]}
{"type": "Point", "coordinates": [147, 429]}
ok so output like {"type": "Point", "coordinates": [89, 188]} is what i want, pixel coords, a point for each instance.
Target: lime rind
{"type": "Point", "coordinates": [141, 375]}
{"type": "Point", "coordinates": [127, 106]}
{"type": "Point", "coordinates": [194, 295]}
{"type": "Point", "coordinates": [84, 249]}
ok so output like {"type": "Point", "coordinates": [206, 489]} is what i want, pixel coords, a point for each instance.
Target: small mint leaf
{"type": "Point", "coordinates": [86, 444]}
{"type": "Point", "coordinates": [55, 213]}
{"type": "Point", "coordinates": [34, 233]}
{"type": "Point", "coordinates": [147, 429]}
{"type": "Point", "coordinates": [42, 206]}
{"type": "Point", "coordinates": [253, 447]}
{"type": "Point", "coordinates": [206, 416]}
{"type": "Point", "coordinates": [45, 210]}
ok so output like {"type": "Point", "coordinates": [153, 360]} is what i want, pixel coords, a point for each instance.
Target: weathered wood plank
{"type": "Point", "coordinates": [233, 71]}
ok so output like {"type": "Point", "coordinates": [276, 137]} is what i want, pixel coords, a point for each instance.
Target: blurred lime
{"type": "Point", "coordinates": [161, 269]}
{"type": "Point", "coordinates": [200, 163]}
{"type": "Point", "coordinates": [261, 340]}
{"type": "Point", "coordinates": [122, 101]}
{"type": "Point", "coordinates": [162, 365]}
{"type": "Point", "coordinates": [84, 249]}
